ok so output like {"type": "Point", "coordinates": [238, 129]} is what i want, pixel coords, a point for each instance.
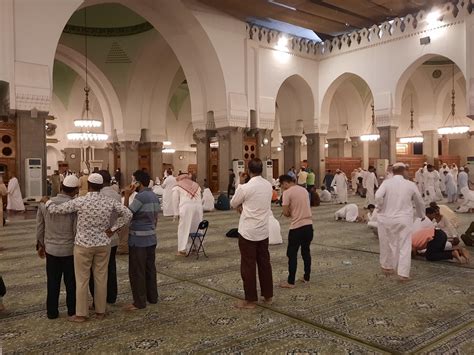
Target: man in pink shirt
{"type": "Point", "coordinates": [434, 241]}
{"type": "Point", "coordinates": [296, 206]}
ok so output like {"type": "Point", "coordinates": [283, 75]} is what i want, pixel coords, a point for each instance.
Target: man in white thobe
{"type": "Point", "coordinates": [463, 179]}
{"type": "Point", "coordinates": [450, 187]}
{"type": "Point", "coordinates": [325, 195]}
{"type": "Point", "coordinates": [188, 207]}
{"type": "Point", "coordinates": [370, 183]}
{"type": "Point", "coordinates": [395, 199]}
{"type": "Point", "coordinates": [419, 180]}
{"type": "Point", "coordinates": [349, 213]}
{"type": "Point", "coordinates": [442, 177]}
{"type": "Point", "coordinates": [340, 182]}
{"type": "Point", "coordinates": [438, 192]}
{"type": "Point", "coordinates": [429, 182]}
{"type": "Point", "coordinates": [168, 184]}
{"type": "Point", "coordinates": [15, 200]}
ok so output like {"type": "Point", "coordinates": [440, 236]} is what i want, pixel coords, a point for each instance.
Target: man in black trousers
{"type": "Point", "coordinates": [296, 205]}
{"type": "Point", "coordinates": [55, 242]}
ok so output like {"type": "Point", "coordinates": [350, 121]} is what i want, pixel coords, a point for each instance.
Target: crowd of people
{"type": "Point", "coordinates": [81, 227]}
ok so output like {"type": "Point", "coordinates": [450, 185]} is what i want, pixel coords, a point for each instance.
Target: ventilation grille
{"type": "Point", "coordinates": [117, 55]}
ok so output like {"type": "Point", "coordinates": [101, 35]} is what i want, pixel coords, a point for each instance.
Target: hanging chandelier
{"type": "Point", "coordinates": [373, 133]}
{"type": "Point", "coordinates": [86, 122]}
{"type": "Point", "coordinates": [453, 124]}
{"type": "Point", "coordinates": [412, 137]}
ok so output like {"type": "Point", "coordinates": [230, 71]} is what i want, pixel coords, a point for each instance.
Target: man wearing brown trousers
{"type": "Point", "coordinates": [253, 201]}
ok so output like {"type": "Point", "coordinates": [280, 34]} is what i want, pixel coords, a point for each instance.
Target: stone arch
{"type": "Point", "coordinates": [99, 83]}
{"type": "Point", "coordinates": [328, 96]}
{"type": "Point", "coordinates": [445, 93]}
{"type": "Point", "coordinates": [407, 74]}
{"type": "Point", "coordinates": [192, 46]}
{"type": "Point", "coordinates": [295, 103]}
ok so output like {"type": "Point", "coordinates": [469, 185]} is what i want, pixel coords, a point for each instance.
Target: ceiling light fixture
{"type": "Point", "coordinates": [412, 137]}
{"type": "Point", "coordinates": [86, 122]}
{"type": "Point", "coordinates": [166, 143]}
{"type": "Point", "coordinates": [373, 134]}
{"type": "Point", "coordinates": [168, 150]}
{"type": "Point", "coordinates": [456, 126]}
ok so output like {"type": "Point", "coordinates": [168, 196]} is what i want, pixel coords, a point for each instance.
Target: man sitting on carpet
{"type": "Point", "coordinates": [434, 242]}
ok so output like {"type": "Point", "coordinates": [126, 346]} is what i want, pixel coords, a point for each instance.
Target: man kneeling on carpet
{"type": "Point", "coordinates": [431, 243]}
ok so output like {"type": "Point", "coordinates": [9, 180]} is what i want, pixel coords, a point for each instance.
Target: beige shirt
{"type": "Point", "coordinates": [302, 177]}
{"type": "Point", "coordinates": [256, 199]}
{"type": "Point", "coordinates": [297, 199]}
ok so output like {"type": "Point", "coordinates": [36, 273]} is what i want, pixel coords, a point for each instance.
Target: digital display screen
{"type": "Point", "coordinates": [35, 162]}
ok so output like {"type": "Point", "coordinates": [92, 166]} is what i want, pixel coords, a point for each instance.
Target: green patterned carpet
{"type": "Point", "coordinates": [349, 307]}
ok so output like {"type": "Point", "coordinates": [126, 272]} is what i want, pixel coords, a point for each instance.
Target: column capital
{"type": "Point", "coordinates": [131, 145]}
{"type": "Point", "coordinates": [157, 146]}
{"type": "Point", "coordinates": [200, 136]}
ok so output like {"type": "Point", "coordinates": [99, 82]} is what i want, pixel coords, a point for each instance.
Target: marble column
{"type": "Point", "coordinates": [128, 160]}
{"type": "Point", "coordinates": [264, 149]}
{"type": "Point", "coordinates": [336, 147]}
{"type": "Point", "coordinates": [292, 152]}
{"type": "Point", "coordinates": [231, 141]}
{"type": "Point", "coordinates": [430, 145]}
{"type": "Point", "coordinates": [316, 155]}
{"type": "Point", "coordinates": [31, 143]}
{"type": "Point", "coordinates": [110, 148]}
{"type": "Point", "coordinates": [388, 143]}
{"type": "Point", "coordinates": [444, 145]}
{"type": "Point", "coordinates": [365, 155]}
{"type": "Point", "coordinates": [202, 155]}
{"type": "Point", "coordinates": [156, 159]}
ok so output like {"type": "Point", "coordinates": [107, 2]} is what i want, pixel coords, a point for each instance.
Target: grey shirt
{"type": "Point", "coordinates": [109, 191]}
{"type": "Point", "coordinates": [55, 231]}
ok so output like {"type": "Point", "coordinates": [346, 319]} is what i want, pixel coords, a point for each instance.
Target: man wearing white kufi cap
{"type": "Point", "coordinates": [340, 182]}
{"type": "Point", "coordinates": [92, 242]}
{"type": "Point", "coordinates": [55, 242]}
{"type": "Point", "coordinates": [394, 200]}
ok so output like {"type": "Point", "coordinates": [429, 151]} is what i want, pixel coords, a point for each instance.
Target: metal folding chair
{"type": "Point", "coordinates": [198, 238]}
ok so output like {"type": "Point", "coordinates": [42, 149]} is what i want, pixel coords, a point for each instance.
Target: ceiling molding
{"type": "Point", "coordinates": [108, 31]}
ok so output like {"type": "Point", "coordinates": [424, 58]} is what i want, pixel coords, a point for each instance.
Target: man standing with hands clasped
{"type": "Point", "coordinates": [92, 242]}
{"type": "Point", "coordinates": [253, 200]}
{"type": "Point", "coordinates": [142, 241]}
{"type": "Point", "coordinates": [296, 206]}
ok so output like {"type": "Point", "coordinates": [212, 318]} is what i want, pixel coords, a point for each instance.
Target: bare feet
{"type": "Point", "coordinates": [268, 300]}
{"type": "Point", "coordinates": [465, 254]}
{"type": "Point", "coordinates": [77, 319]}
{"type": "Point", "coordinates": [2, 307]}
{"type": "Point", "coordinates": [303, 281]}
{"type": "Point", "coordinates": [130, 307]}
{"type": "Point", "coordinates": [99, 316]}
{"type": "Point", "coordinates": [243, 304]}
{"type": "Point", "coordinates": [181, 253]}
{"type": "Point", "coordinates": [285, 284]}
{"type": "Point", "coordinates": [388, 272]}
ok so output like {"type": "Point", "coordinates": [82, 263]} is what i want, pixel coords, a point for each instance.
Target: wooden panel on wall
{"type": "Point", "coordinates": [347, 165]}
{"type": "Point", "coordinates": [144, 157]}
{"type": "Point", "coordinates": [8, 149]}
{"type": "Point", "coordinates": [448, 159]}
{"type": "Point", "coordinates": [213, 169]}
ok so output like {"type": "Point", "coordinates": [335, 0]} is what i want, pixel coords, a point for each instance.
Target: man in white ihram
{"type": "Point", "coordinates": [370, 183]}
{"type": "Point", "coordinates": [394, 200]}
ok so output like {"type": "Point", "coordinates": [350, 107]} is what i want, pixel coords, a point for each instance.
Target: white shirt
{"type": "Point", "coordinates": [394, 198]}
{"type": "Point", "coordinates": [325, 196]}
{"type": "Point", "coordinates": [255, 198]}
{"type": "Point", "coordinates": [462, 179]}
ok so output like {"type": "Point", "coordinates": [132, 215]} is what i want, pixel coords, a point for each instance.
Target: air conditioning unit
{"type": "Point", "coordinates": [34, 177]}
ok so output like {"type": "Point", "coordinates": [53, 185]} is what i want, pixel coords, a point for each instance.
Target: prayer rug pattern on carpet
{"type": "Point", "coordinates": [348, 308]}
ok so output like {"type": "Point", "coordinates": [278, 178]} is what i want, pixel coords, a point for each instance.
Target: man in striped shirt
{"type": "Point", "coordinates": [142, 241]}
